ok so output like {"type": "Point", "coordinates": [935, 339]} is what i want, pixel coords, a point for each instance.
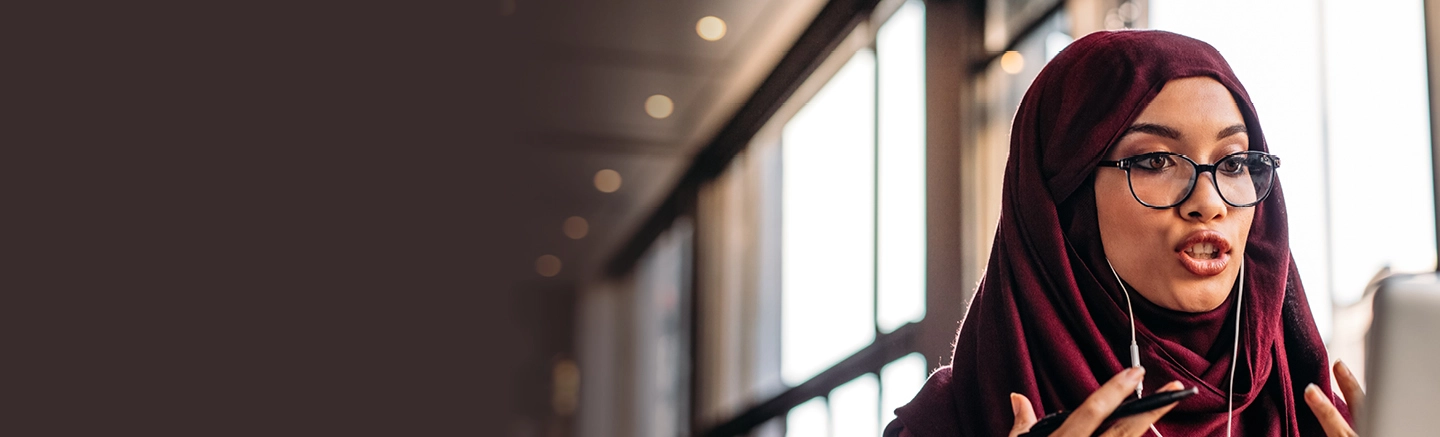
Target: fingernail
{"type": "Point", "coordinates": [1014, 405]}
{"type": "Point", "coordinates": [1312, 388]}
{"type": "Point", "coordinates": [1135, 373]}
{"type": "Point", "coordinates": [1345, 368]}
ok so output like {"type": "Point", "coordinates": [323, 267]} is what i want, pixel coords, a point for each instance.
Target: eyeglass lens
{"type": "Point", "coordinates": [1166, 180]}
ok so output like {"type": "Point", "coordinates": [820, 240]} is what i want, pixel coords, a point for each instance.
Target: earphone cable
{"type": "Point", "coordinates": [1130, 310]}
{"type": "Point", "coordinates": [1235, 353]}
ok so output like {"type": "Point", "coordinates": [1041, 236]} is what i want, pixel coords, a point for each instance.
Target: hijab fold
{"type": "Point", "coordinates": [1048, 320]}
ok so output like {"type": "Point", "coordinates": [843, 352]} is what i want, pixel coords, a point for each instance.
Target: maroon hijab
{"type": "Point", "coordinates": [1049, 319]}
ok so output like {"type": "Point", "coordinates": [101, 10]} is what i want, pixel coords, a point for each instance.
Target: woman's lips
{"type": "Point", "coordinates": [1202, 264]}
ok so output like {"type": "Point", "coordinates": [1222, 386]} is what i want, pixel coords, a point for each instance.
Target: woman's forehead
{"type": "Point", "coordinates": [1192, 103]}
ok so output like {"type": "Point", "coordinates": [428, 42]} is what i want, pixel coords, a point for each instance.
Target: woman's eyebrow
{"type": "Point", "coordinates": [1153, 129]}
{"type": "Point", "coordinates": [1232, 130]}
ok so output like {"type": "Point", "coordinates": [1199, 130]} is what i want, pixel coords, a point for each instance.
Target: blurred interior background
{"type": "Point", "coordinates": [750, 217]}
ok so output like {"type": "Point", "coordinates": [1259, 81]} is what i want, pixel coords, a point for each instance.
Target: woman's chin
{"type": "Point", "coordinates": [1201, 307]}
{"type": "Point", "coordinates": [1199, 301]}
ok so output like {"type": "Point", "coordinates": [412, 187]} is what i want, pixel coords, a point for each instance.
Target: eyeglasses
{"type": "Point", "coordinates": [1159, 180]}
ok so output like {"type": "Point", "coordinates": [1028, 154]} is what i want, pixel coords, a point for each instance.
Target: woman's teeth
{"type": "Point", "coordinates": [1203, 251]}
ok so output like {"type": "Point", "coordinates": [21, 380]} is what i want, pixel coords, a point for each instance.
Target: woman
{"type": "Point", "coordinates": [1138, 183]}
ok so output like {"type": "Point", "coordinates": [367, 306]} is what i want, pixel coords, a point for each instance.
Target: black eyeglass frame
{"type": "Point", "coordinates": [1127, 163]}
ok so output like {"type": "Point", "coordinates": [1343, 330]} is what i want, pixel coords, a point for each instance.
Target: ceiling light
{"type": "Point", "coordinates": [710, 28]}
{"type": "Point", "coordinates": [607, 180]}
{"type": "Point", "coordinates": [1012, 62]}
{"type": "Point", "coordinates": [659, 106]}
{"type": "Point", "coordinates": [547, 265]}
{"type": "Point", "coordinates": [576, 228]}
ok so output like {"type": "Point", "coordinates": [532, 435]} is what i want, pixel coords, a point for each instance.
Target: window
{"type": "Point", "coordinates": [853, 228]}
{"type": "Point", "coordinates": [900, 380]}
{"type": "Point", "coordinates": [900, 49]}
{"type": "Point", "coordinates": [828, 224]}
{"type": "Point", "coordinates": [1335, 82]}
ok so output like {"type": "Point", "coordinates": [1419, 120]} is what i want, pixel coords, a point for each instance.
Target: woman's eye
{"type": "Point", "coordinates": [1231, 166]}
{"type": "Point", "coordinates": [1155, 162]}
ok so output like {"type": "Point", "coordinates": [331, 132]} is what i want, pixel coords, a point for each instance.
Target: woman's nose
{"type": "Point", "coordinates": [1204, 203]}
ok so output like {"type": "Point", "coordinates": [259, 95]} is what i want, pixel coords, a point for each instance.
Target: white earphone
{"type": "Point", "coordinates": [1234, 354]}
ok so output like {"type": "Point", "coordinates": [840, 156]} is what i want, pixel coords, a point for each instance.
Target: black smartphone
{"type": "Point", "coordinates": [1052, 422]}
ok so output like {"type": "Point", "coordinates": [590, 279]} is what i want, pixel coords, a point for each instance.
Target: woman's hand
{"type": "Point", "coordinates": [1330, 418]}
{"type": "Point", "coordinates": [1085, 419]}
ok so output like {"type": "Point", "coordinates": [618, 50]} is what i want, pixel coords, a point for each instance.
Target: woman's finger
{"type": "Point", "coordinates": [1137, 425]}
{"type": "Point", "coordinates": [1330, 418]}
{"type": "Point", "coordinates": [1349, 387]}
{"type": "Point", "coordinates": [1087, 417]}
{"type": "Point", "coordinates": [1024, 414]}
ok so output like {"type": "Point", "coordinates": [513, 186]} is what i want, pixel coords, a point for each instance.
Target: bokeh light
{"type": "Point", "coordinates": [576, 227]}
{"type": "Point", "coordinates": [547, 265]}
{"type": "Point", "coordinates": [710, 28]}
{"type": "Point", "coordinates": [566, 385]}
{"type": "Point", "coordinates": [659, 106]}
{"type": "Point", "coordinates": [607, 180]}
{"type": "Point", "coordinates": [1012, 62]}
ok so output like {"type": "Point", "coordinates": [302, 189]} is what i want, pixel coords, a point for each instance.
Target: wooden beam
{"type": "Point", "coordinates": [954, 40]}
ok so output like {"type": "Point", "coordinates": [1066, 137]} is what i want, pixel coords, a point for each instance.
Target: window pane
{"type": "Point", "coordinates": [900, 381]}
{"type": "Point", "coordinates": [828, 224]}
{"type": "Point", "coordinates": [1383, 214]}
{"type": "Point", "coordinates": [856, 407]}
{"type": "Point", "coordinates": [809, 419]}
{"type": "Point", "coordinates": [900, 48]}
